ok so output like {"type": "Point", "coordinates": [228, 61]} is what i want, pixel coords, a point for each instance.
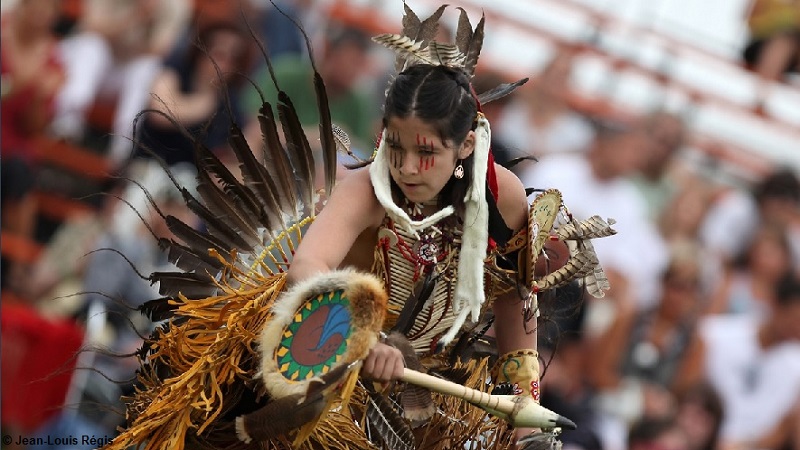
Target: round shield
{"type": "Point", "coordinates": [321, 323]}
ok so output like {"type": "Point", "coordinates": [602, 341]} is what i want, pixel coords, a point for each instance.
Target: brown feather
{"type": "Point", "coordinates": [405, 47]}
{"type": "Point", "coordinates": [275, 158]}
{"type": "Point", "coordinates": [411, 25]}
{"type": "Point", "coordinates": [463, 31]}
{"type": "Point", "coordinates": [241, 235]}
{"type": "Point", "coordinates": [272, 420]}
{"type": "Point", "coordinates": [254, 174]}
{"type": "Point", "coordinates": [189, 259]}
{"type": "Point", "coordinates": [458, 375]}
{"type": "Point", "coordinates": [417, 402]}
{"type": "Point", "coordinates": [474, 49]}
{"type": "Point", "coordinates": [226, 206]}
{"type": "Point", "coordinates": [445, 54]}
{"type": "Point", "coordinates": [422, 32]}
{"type": "Point", "coordinates": [194, 238]}
{"type": "Point", "coordinates": [428, 28]}
{"type": "Point", "coordinates": [500, 91]}
{"type": "Point", "coordinates": [414, 304]}
{"type": "Point", "coordinates": [158, 309]}
{"type": "Point", "coordinates": [384, 424]}
{"type": "Point", "coordinates": [299, 150]}
{"type": "Point", "coordinates": [190, 285]}
{"type": "Point", "coordinates": [247, 205]}
{"type": "Point", "coordinates": [326, 137]}
{"type": "Point", "coordinates": [411, 22]}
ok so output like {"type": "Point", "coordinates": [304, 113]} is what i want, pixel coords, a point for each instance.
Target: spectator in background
{"type": "Point", "coordinates": [661, 433]}
{"type": "Point", "coordinates": [598, 182]}
{"type": "Point", "coordinates": [748, 287]}
{"type": "Point", "coordinates": [281, 36]}
{"type": "Point", "coordinates": [196, 97]}
{"type": "Point", "coordinates": [344, 61]}
{"type": "Point", "coordinates": [773, 48]}
{"type": "Point", "coordinates": [540, 120]}
{"type": "Point", "coordinates": [753, 362]}
{"type": "Point", "coordinates": [734, 215]}
{"type": "Point", "coordinates": [700, 415]}
{"type": "Point", "coordinates": [683, 214]}
{"type": "Point", "coordinates": [660, 335]}
{"type": "Point", "coordinates": [565, 388]}
{"type": "Point", "coordinates": [275, 30]}
{"type": "Point", "coordinates": [667, 134]}
{"type": "Point", "coordinates": [32, 76]}
{"type": "Point", "coordinates": [640, 381]}
{"type": "Point", "coordinates": [112, 61]}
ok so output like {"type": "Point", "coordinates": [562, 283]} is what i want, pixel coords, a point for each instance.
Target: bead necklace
{"type": "Point", "coordinates": [433, 245]}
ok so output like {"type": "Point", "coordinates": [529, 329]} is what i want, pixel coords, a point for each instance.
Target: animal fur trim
{"type": "Point", "coordinates": [469, 294]}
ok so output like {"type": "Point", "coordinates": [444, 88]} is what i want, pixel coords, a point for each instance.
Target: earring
{"type": "Point", "coordinates": [459, 171]}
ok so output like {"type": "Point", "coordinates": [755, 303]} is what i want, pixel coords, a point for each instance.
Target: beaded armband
{"type": "Point", "coordinates": [520, 369]}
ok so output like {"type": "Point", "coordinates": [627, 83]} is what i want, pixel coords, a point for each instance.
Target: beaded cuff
{"type": "Point", "coordinates": [520, 369]}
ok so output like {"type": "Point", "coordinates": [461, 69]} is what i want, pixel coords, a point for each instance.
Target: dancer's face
{"type": "Point", "coordinates": [420, 162]}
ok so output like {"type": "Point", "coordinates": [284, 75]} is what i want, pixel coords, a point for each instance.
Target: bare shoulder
{"type": "Point", "coordinates": [511, 200]}
{"type": "Point", "coordinates": [354, 196]}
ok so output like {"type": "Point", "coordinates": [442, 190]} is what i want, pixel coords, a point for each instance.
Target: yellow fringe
{"type": "Point", "coordinates": [206, 353]}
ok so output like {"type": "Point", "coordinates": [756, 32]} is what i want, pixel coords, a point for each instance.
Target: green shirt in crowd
{"type": "Point", "coordinates": [355, 111]}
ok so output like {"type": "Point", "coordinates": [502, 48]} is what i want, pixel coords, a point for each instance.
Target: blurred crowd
{"type": "Point", "coordinates": [696, 346]}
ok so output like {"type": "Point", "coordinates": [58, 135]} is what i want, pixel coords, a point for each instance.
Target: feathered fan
{"type": "Point", "coordinates": [223, 288]}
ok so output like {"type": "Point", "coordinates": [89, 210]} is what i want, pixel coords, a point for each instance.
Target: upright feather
{"type": "Point", "coordinates": [463, 31]}
{"type": "Point", "coordinates": [473, 51]}
{"type": "Point", "coordinates": [418, 31]}
{"type": "Point", "coordinates": [276, 160]}
{"type": "Point", "coordinates": [254, 174]}
{"type": "Point", "coordinates": [299, 150]}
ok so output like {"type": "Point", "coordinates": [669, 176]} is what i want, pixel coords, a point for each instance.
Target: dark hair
{"type": "Point", "coordinates": [704, 395]}
{"type": "Point", "coordinates": [649, 429]}
{"type": "Point", "coordinates": [204, 40]}
{"type": "Point", "coordinates": [442, 97]}
{"type": "Point", "coordinates": [787, 291]}
{"type": "Point", "coordinates": [769, 230]}
{"type": "Point", "coordinates": [781, 184]}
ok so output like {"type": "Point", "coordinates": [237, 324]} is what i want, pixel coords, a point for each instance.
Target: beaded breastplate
{"type": "Point", "coordinates": [406, 263]}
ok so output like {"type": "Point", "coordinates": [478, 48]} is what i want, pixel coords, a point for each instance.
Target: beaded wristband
{"type": "Point", "coordinates": [519, 368]}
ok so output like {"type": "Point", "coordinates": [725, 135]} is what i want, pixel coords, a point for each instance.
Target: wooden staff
{"type": "Point", "coordinates": [521, 411]}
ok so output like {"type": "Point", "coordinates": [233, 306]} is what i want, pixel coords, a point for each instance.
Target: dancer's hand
{"type": "Point", "coordinates": [384, 363]}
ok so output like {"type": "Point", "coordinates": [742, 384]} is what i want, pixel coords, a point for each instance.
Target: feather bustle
{"type": "Point", "coordinates": [247, 209]}
{"type": "Point", "coordinates": [189, 259]}
{"type": "Point", "coordinates": [254, 174]}
{"type": "Point", "coordinates": [240, 235]}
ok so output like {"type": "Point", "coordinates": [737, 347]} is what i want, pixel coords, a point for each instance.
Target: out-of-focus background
{"type": "Point", "coordinates": [680, 119]}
